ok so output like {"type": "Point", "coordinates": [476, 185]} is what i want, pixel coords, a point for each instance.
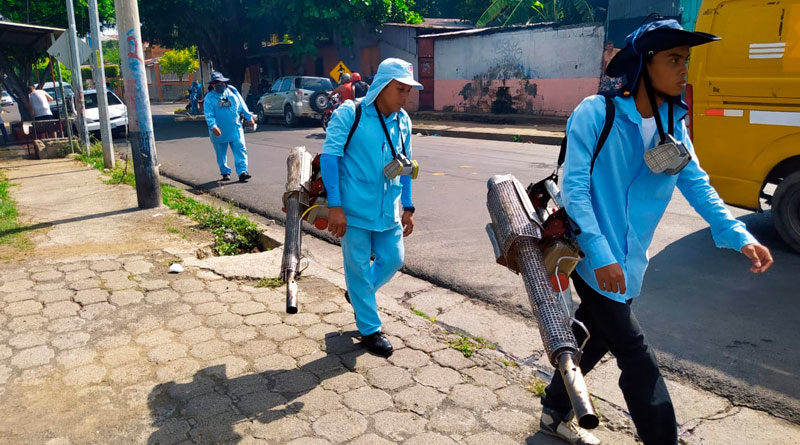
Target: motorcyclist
{"type": "Point", "coordinates": [359, 86]}
{"type": "Point", "coordinates": [345, 88]}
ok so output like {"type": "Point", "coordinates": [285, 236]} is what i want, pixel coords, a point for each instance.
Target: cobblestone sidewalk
{"type": "Point", "coordinates": [116, 350]}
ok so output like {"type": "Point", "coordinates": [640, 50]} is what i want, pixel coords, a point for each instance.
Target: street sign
{"type": "Point", "coordinates": [337, 71]}
{"type": "Point", "coordinates": [60, 50]}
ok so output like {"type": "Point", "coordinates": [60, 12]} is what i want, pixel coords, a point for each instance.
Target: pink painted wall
{"type": "Point", "coordinates": [413, 100]}
{"type": "Point", "coordinates": [557, 97]}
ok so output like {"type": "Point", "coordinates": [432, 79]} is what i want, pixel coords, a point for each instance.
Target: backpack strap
{"type": "Point", "coordinates": [609, 122]}
{"type": "Point", "coordinates": [610, 114]}
{"type": "Point", "coordinates": [355, 125]}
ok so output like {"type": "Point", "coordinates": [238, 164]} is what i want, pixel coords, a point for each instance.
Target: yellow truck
{"type": "Point", "coordinates": [744, 97]}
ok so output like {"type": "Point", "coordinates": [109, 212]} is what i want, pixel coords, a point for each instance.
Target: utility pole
{"type": "Point", "coordinates": [65, 108]}
{"type": "Point", "coordinates": [140, 121]}
{"type": "Point", "coordinates": [77, 81]}
{"type": "Point", "coordinates": [100, 86]}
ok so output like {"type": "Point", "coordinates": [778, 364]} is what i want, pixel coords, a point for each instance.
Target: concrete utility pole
{"type": "Point", "coordinates": [137, 97]}
{"type": "Point", "coordinates": [100, 86]}
{"type": "Point", "coordinates": [77, 81]}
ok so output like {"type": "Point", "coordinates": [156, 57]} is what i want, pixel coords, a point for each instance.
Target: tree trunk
{"type": "Point", "coordinates": [15, 84]}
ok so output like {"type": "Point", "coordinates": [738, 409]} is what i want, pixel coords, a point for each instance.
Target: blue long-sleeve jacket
{"type": "Point", "coordinates": [619, 205]}
{"type": "Point", "coordinates": [354, 178]}
{"type": "Point", "coordinates": [226, 118]}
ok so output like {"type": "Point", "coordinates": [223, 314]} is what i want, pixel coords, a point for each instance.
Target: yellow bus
{"type": "Point", "coordinates": [744, 97]}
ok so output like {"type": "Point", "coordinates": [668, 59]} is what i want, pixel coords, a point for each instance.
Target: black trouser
{"type": "Point", "coordinates": [613, 327]}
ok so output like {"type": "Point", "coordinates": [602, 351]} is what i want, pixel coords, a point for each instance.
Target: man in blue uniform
{"type": "Point", "coordinates": [363, 199]}
{"type": "Point", "coordinates": [617, 201]}
{"type": "Point", "coordinates": [194, 95]}
{"type": "Point", "coordinates": [224, 108]}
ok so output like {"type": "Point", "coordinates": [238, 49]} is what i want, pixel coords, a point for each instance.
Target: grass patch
{"type": "Point", "coordinates": [468, 345]}
{"type": "Point", "coordinates": [8, 219]}
{"type": "Point", "coordinates": [516, 138]}
{"type": "Point", "coordinates": [271, 282]}
{"type": "Point", "coordinates": [233, 234]}
{"type": "Point", "coordinates": [508, 364]}
{"type": "Point", "coordinates": [122, 171]}
{"type": "Point", "coordinates": [422, 314]}
{"type": "Point", "coordinates": [536, 386]}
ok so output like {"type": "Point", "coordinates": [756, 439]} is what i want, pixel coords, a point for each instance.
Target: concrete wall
{"type": "Point", "coordinates": [532, 71]}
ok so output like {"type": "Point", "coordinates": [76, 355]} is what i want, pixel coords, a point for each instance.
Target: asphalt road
{"type": "Point", "coordinates": [711, 320]}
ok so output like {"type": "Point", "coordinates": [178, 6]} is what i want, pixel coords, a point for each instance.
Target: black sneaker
{"type": "Point", "coordinates": [244, 177]}
{"type": "Point", "coordinates": [377, 344]}
{"type": "Point", "coordinates": [226, 177]}
{"type": "Point", "coordinates": [347, 297]}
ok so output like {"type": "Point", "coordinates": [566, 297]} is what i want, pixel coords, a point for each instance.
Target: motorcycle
{"type": "Point", "coordinates": [334, 100]}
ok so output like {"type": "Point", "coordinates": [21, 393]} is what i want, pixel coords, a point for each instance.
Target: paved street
{"type": "Point", "coordinates": [711, 320]}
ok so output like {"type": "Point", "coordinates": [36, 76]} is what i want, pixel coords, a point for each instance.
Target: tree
{"type": "Point", "coordinates": [179, 62]}
{"type": "Point", "coordinates": [111, 52]}
{"type": "Point", "coordinates": [562, 12]}
{"type": "Point", "coordinates": [469, 10]}
{"type": "Point", "coordinates": [221, 29]}
{"type": "Point", "coordinates": [17, 63]}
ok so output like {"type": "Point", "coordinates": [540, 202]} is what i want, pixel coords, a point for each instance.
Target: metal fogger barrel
{"type": "Point", "coordinates": [298, 183]}
{"type": "Point", "coordinates": [515, 232]}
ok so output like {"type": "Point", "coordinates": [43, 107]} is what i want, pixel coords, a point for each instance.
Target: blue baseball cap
{"type": "Point", "coordinates": [648, 39]}
{"type": "Point", "coordinates": [216, 76]}
{"type": "Point", "coordinates": [389, 70]}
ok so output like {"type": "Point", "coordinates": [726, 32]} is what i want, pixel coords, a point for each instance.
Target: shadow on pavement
{"type": "Point", "coordinates": [705, 308]}
{"type": "Point", "coordinates": [209, 407]}
{"type": "Point", "coordinates": [42, 225]}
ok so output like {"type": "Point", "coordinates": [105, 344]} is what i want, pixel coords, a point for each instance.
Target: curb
{"type": "Point", "coordinates": [536, 139]}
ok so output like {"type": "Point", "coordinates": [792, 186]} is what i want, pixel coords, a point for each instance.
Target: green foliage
{"type": "Point", "coordinates": [536, 386]}
{"type": "Point", "coordinates": [423, 314]}
{"type": "Point", "coordinates": [309, 21]}
{"type": "Point", "coordinates": [179, 62]}
{"type": "Point", "coordinates": [468, 345]}
{"type": "Point", "coordinates": [110, 70]}
{"type": "Point", "coordinates": [516, 12]}
{"type": "Point", "coordinates": [54, 12]}
{"type": "Point", "coordinates": [468, 10]}
{"type": "Point", "coordinates": [233, 234]}
{"type": "Point", "coordinates": [122, 173]}
{"type": "Point", "coordinates": [111, 52]}
{"type": "Point", "coordinates": [270, 282]}
{"type": "Point", "coordinates": [222, 32]}
{"type": "Point", "coordinates": [9, 233]}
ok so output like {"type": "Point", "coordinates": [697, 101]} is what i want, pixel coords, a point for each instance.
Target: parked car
{"type": "Point", "coordinates": [54, 91]}
{"type": "Point", "coordinates": [744, 98]}
{"type": "Point", "coordinates": [6, 100]}
{"type": "Point", "coordinates": [295, 97]}
{"type": "Point", "coordinates": [117, 113]}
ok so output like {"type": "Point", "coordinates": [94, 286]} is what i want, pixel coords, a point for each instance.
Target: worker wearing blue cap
{"type": "Point", "coordinates": [224, 108]}
{"type": "Point", "coordinates": [364, 201]}
{"type": "Point", "coordinates": [616, 192]}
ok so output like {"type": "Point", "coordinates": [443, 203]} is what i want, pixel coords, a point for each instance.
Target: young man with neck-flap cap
{"type": "Point", "coordinates": [363, 200]}
{"type": "Point", "coordinates": [617, 201]}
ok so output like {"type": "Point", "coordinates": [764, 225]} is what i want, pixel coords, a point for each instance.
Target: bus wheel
{"type": "Point", "coordinates": [786, 210]}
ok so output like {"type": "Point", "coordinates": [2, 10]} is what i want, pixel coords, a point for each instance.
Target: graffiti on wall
{"type": "Point", "coordinates": [506, 87]}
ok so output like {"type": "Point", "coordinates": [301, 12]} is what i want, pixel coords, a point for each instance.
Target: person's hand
{"type": "Point", "coordinates": [252, 120]}
{"type": "Point", "coordinates": [610, 278]}
{"type": "Point", "coordinates": [760, 256]}
{"type": "Point", "coordinates": [217, 132]}
{"type": "Point", "coordinates": [408, 223]}
{"type": "Point", "coordinates": [337, 222]}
